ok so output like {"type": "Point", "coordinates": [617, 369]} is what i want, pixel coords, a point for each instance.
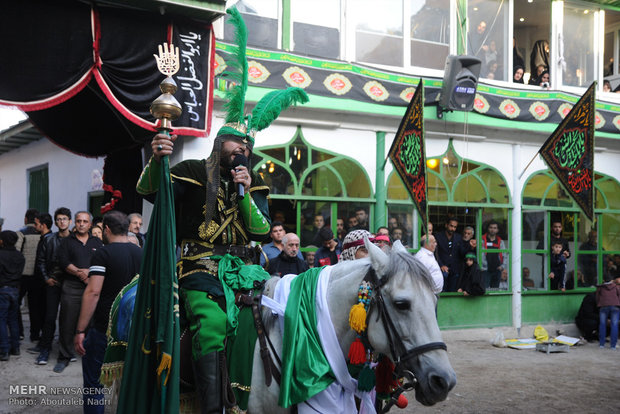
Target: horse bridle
{"type": "Point", "coordinates": [399, 352]}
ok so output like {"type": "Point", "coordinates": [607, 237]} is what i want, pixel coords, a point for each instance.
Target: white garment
{"type": "Point", "coordinates": [338, 397]}
{"type": "Point", "coordinates": [427, 258]}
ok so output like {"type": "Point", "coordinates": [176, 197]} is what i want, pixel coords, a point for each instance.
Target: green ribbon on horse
{"type": "Point", "coordinates": [305, 369]}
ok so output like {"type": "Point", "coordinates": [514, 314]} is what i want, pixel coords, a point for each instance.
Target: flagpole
{"type": "Point", "coordinates": [528, 164]}
{"type": "Point", "coordinates": [385, 161]}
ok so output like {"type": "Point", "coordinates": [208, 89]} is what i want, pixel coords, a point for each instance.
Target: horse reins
{"type": "Point", "coordinates": [398, 351]}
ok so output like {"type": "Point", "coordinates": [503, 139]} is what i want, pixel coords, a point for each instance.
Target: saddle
{"type": "Point", "coordinates": [249, 303]}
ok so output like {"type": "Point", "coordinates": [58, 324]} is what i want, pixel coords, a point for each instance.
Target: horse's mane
{"type": "Point", "coordinates": [405, 263]}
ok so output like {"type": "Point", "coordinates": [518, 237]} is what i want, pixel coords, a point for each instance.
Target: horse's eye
{"type": "Point", "coordinates": [402, 305]}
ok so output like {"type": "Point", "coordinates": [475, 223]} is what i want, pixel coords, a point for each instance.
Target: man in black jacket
{"type": "Point", "coordinates": [287, 262]}
{"type": "Point", "coordinates": [450, 253]}
{"type": "Point", "coordinates": [11, 267]}
{"type": "Point", "coordinates": [49, 268]}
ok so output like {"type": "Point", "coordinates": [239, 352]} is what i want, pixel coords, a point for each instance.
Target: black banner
{"type": "Point", "coordinates": [408, 152]}
{"type": "Point", "coordinates": [569, 152]}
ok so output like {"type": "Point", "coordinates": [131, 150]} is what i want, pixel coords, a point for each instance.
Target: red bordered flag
{"type": "Point", "coordinates": [569, 152]}
{"type": "Point", "coordinates": [408, 152]}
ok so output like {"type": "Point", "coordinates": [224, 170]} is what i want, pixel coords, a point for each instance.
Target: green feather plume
{"type": "Point", "coordinates": [270, 106]}
{"type": "Point", "coordinates": [238, 72]}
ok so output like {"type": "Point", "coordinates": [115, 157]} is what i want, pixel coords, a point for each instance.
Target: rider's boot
{"type": "Point", "coordinates": [209, 383]}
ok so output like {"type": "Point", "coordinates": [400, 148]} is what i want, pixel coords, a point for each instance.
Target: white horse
{"type": "Point", "coordinates": [410, 330]}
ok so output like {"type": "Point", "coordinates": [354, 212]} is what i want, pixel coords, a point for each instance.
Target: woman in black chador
{"type": "Point", "coordinates": [470, 282]}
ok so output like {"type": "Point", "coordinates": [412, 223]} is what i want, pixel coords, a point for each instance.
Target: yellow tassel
{"type": "Point", "coordinates": [165, 364]}
{"type": "Point", "coordinates": [357, 318]}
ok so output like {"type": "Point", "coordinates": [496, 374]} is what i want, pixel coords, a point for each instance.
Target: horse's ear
{"type": "Point", "coordinates": [378, 258]}
{"type": "Point", "coordinates": [398, 247]}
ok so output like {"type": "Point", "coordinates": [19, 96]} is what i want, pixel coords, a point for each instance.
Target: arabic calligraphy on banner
{"type": "Point", "coordinates": [408, 152]}
{"type": "Point", "coordinates": [193, 78]}
{"type": "Point", "coordinates": [569, 152]}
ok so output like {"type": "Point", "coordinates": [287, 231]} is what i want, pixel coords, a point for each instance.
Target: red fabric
{"type": "Point", "coordinates": [357, 352]}
{"type": "Point", "coordinates": [385, 376]}
{"type": "Point", "coordinates": [495, 245]}
{"type": "Point", "coordinates": [51, 80]}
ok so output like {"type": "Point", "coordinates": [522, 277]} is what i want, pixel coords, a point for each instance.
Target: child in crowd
{"type": "Point", "coordinates": [608, 301]}
{"type": "Point", "coordinates": [558, 267]}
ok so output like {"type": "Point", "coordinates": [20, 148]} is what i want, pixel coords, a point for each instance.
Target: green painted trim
{"type": "Point", "coordinates": [332, 64]}
{"type": "Point", "coordinates": [286, 25]}
{"type": "Point", "coordinates": [334, 213]}
{"type": "Point", "coordinates": [450, 190]}
{"type": "Point", "coordinates": [457, 312]}
{"type": "Point", "coordinates": [574, 207]}
{"type": "Point", "coordinates": [461, 27]}
{"type": "Point", "coordinates": [311, 167]}
{"type": "Point", "coordinates": [380, 216]}
{"type": "Point", "coordinates": [551, 307]}
{"type": "Point", "coordinates": [315, 198]}
{"type": "Point", "coordinates": [606, 4]}
{"type": "Point", "coordinates": [464, 177]}
{"type": "Point", "coordinates": [254, 94]}
{"type": "Point", "coordinates": [405, 79]}
{"type": "Point", "coordinates": [454, 311]}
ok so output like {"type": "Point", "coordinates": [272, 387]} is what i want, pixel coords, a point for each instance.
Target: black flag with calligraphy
{"type": "Point", "coordinates": [408, 152]}
{"type": "Point", "coordinates": [569, 152]}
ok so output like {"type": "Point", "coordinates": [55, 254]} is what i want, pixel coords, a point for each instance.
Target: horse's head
{"type": "Point", "coordinates": [402, 322]}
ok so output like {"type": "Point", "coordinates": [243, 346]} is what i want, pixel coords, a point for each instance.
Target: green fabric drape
{"type": "Point", "coordinates": [150, 381]}
{"type": "Point", "coordinates": [236, 275]}
{"type": "Point", "coordinates": [305, 369]}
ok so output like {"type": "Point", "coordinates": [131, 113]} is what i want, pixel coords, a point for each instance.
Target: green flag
{"type": "Point", "coordinates": [150, 381]}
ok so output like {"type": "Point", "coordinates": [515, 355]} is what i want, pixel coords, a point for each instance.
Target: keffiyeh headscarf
{"type": "Point", "coordinates": [352, 242]}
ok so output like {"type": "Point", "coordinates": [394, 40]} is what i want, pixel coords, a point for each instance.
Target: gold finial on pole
{"type": "Point", "coordinates": [166, 108]}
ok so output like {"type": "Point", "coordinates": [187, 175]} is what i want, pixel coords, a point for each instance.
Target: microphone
{"type": "Point", "coordinates": [240, 160]}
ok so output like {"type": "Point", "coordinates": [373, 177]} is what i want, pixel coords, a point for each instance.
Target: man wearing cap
{"type": "Point", "coordinates": [382, 238]}
{"type": "Point", "coordinates": [220, 206]}
{"type": "Point", "coordinates": [329, 252]}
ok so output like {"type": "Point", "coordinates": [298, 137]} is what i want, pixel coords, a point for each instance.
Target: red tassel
{"type": "Point", "coordinates": [402, 401]}
{"type": "Point", "coordinates": [385, 376]}
{"type": "Point", "coordinates": [357, 352]}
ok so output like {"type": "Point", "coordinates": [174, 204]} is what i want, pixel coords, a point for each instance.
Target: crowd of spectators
{"type": "Point", "coordinates": [69, 279]}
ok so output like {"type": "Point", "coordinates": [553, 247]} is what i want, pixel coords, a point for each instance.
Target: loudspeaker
{"type": "Point", "coordinates": [460, 80]}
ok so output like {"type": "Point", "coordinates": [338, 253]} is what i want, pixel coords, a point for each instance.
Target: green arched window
{"type": "Point", "coordinates": [473, 192]}
{"type": "Point", "coordinates": [593, 245]}
{"type": "Point", "coordinates": [305, 181]}
{"type": "Point", "coordinates": [452, 179]}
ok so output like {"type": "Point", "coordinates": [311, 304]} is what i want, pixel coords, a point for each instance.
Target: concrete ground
{"type": "Point", "coordinates": [489, 379]}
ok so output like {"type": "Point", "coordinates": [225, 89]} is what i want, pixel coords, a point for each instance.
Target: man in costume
{"type": "Point", "coordinates": [213, 219]}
